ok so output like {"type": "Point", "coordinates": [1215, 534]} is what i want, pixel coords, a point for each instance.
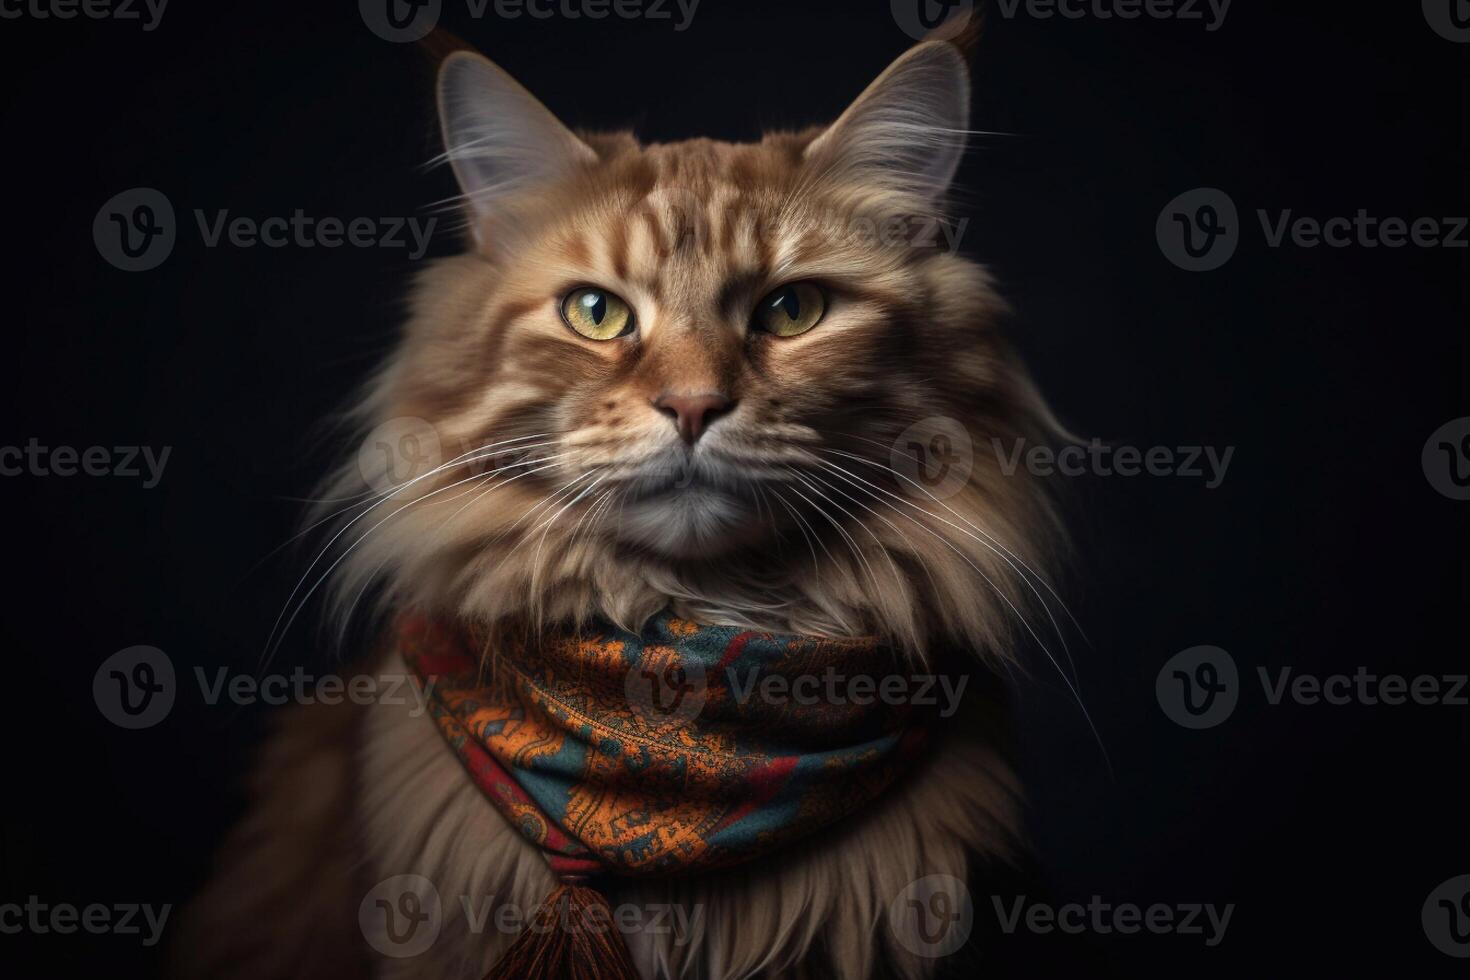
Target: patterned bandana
{"type": "Point", "coordinates": [684, 748]}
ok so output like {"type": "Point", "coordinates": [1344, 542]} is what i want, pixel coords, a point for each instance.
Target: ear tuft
{"type": "Point", "coordinates": [906, 132]}
{"type": "Point", "coordinates": [497, 136]}
{"type": "Point", "coordinates": [439, 44]}
{"type": "Point", "coordinates": [963, 30]}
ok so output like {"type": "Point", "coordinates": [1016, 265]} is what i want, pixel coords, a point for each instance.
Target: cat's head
{"type": "Point", "coordinates": [704, 374]}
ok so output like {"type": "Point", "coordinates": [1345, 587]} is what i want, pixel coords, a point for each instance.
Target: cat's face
{"type": "Point", "coordinates": [679, 372]}
{"type": "Point", "coordinates": [685, 328]}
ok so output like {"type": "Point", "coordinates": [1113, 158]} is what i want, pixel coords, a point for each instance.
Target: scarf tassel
{"type": "Point", "coordinates": [572, 936]}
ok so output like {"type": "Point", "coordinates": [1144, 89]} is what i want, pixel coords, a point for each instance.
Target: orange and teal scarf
{"type": "Point", "coordinates": [678, 749]}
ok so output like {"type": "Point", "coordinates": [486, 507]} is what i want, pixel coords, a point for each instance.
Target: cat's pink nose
{"type": "Point", "coordinates": [692, 414]}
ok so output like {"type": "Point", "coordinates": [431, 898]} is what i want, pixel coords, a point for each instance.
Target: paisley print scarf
{"type": "Point", "coordinates": [678, 749]}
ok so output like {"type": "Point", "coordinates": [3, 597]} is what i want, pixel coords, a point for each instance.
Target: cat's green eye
{"type": "Point", "coordinates": [596, 314]}
{"type": "Point", "coordinates": [791, 310]}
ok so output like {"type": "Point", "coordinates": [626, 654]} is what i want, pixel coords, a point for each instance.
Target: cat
{"type": "Point", "coordinates": [677, 376]}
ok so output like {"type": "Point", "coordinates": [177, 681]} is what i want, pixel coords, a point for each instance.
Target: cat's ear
{"type": "Point", "coordinates": [906, 132]}
{"type": "Point", "coordinates": [498, 137]}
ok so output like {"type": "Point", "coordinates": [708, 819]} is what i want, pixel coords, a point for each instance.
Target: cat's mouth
{"type": "Point", "coordinates": [688, 521]}
{"type": "Point", "coordinates": [688, 486]}
{"type": "Point", "coordinates": [673, 474]}
{"type": "Point", "coordinates": [686, 510]}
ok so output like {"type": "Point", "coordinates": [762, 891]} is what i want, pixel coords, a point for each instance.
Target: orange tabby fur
{"type": "Point", "coordinates": [582, 501]}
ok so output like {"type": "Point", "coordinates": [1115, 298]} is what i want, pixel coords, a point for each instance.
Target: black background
{"type": "Point", "coordinates": [1327, 369]}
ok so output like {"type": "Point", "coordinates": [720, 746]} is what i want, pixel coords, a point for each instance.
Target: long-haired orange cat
{"type": "Point", "coordinates": [673, 387]}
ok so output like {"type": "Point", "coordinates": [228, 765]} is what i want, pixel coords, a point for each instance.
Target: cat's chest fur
{"type": "Point", "coordinates": [825, 905]}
